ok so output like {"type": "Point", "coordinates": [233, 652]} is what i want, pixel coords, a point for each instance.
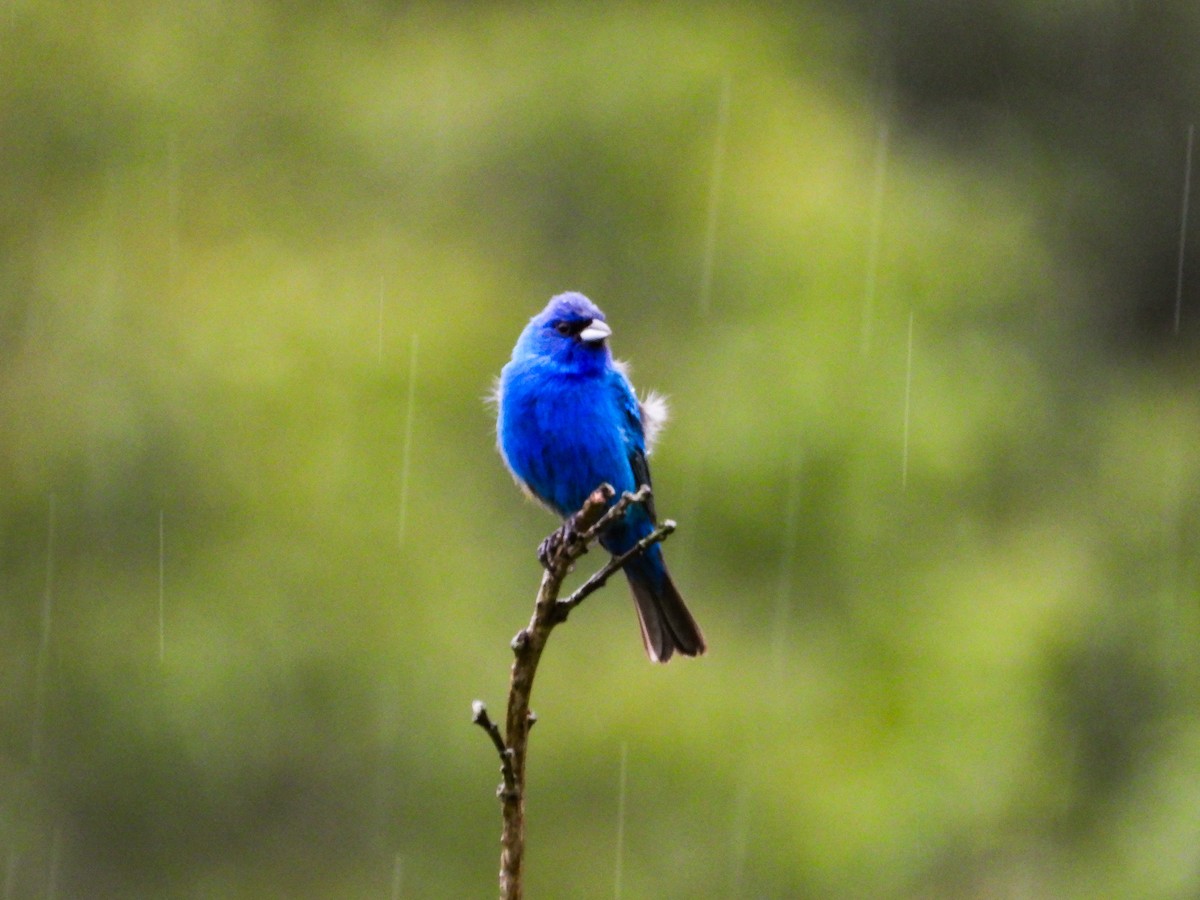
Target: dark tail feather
{"type": "Point", "coordinates": [667, 626]}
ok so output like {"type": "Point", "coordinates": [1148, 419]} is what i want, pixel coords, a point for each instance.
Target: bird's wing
{"type": "Point", "coordinates": [641, 474]}
{"type": "Point", "coordinates": [633, 433]}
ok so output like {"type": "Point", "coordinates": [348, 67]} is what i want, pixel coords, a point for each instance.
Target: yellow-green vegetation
{"type": "Point", "coordinates": [938, 508]}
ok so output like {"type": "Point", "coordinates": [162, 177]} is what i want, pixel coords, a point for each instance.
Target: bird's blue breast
{"type": "Point", "coordinates": [562, 433]}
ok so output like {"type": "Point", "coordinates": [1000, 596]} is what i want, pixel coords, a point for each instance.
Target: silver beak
{"type": "Point", "coordinates": [596, 331]}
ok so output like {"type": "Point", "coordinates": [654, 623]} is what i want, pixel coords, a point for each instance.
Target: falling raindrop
{"type": "Point", "coordinates": [380, 345]}
{"type": "Point", "coordinates": [1183, 219]}
{"type": "Point", "coordinates": [406, 456]}
{"type": "Point", "coordinates": [162, 583]}
{"type": "Point", "coordinates": [907, 404]}
{"type": "Point", "coordinates": [621, 791]}
{"type": "Point", "coordinates": [690, 500]}
{"type": "Point", "coordinates": [397, 876]}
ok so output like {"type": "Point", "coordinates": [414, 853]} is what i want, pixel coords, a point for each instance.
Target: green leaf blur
{"type": "Point", "coordinates": [935, 449]}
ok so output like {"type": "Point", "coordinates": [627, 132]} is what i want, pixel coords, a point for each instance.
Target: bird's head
{"type": "Point", "coordinates": [571, 331]}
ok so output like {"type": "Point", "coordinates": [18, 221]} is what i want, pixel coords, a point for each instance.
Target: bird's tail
{"type": "Point", "coordinates": [667, 625]}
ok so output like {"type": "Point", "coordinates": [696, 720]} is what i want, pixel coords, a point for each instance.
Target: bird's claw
{"type": "Point", "coordinates": [553, 545]}
{"type": "Point", "coordinates": [547, 549]}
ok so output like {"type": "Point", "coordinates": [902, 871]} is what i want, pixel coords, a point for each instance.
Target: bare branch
{"type": "Point", "coordinates": [481, 718]}
{"type": "Point", "coordinates": [597, 581]}
{"type": "Point", "coordinates": [557, 554]}
{"type": "Point", "coordinates": [616, 511]}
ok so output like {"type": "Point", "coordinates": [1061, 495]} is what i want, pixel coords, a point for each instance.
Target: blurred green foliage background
{"type": "Point", "coordinates": [914, 277]}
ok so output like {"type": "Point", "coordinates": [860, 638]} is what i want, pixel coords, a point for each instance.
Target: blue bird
{"type": "Point", "coordinates": [568, 421]}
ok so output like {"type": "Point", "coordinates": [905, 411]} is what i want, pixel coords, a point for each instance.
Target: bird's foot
{"type": "Point", "coordinates": [554, 544]}
{"type": "Point", "coordinates": [550, 547]}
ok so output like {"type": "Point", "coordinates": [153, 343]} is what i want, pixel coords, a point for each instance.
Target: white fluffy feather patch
{"type": "Point", "coordinates": [492, 397]}
{"type": "Point", "coordinates": [655, 412]}
{"type": "Point", "coordinates": [654, 408]}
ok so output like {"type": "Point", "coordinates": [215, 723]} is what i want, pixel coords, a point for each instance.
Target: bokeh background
{"type": "Point", "coordinates": [920, 282]}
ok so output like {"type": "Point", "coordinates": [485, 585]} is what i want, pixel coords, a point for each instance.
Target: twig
{"type": "Point", "coordinates": [614, 512]}
{"type": "Point", "coordinates": [558, 553]}
{"type": "Point", "coordinates": [479, 715]}
{"type": "Point", "coordinates": [563, 607]}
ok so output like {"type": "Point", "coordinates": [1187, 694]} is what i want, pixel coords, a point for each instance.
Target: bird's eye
{"type": "Point", "coordinates": [562, 328]}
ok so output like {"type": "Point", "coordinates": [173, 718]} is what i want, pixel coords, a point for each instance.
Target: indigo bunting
{"type": "Point", "coordinates": [568, 420]}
